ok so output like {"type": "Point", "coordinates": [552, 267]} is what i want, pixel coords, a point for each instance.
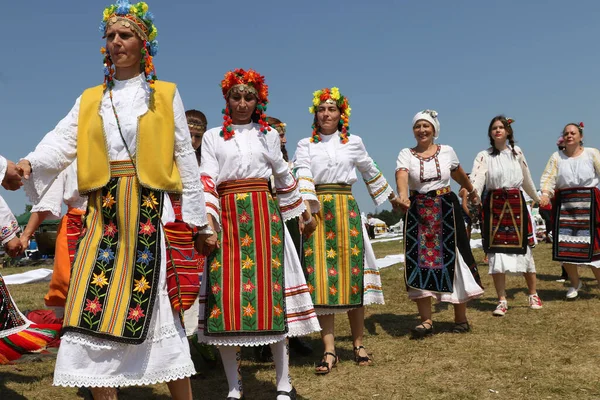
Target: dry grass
{"type": "Point", "coordinates": [553, 353]}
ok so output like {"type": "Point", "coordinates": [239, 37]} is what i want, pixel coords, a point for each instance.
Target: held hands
{"type": "Point", "coordinates": [308, 228]}
{"type": "Point", "coordinates": [12, 178]}
{"type": "Point", "coordinates": [544, 200]}
{"type": "Point", "coordinates": [25, 167]}
{"type": "Point", "coordinates": [474, 198]}
{"type": "Point", "coordinates": [14, 247]}
{"type": "Point", "coordinates": [206, 243]}
{"type": "Point", "coordinates": [24, 239]}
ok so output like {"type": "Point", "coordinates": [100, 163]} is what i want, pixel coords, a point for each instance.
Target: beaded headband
{"type": "Point", "coordinates": [141, 22]}
{"type": "Point", "coordinates": [240, 81]}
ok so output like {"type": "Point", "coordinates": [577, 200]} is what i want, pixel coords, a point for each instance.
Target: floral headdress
{"type": "Point", "coordinates": [332, 96]}
{"type": "Point", "coordinates": [139, 20]}
{"type": "Point", "coordinates": [509, 121]}
{"type": "Point", "coordinates": [240, 80]}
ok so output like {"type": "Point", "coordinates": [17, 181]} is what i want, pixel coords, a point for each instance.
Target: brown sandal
{"type": "Point", "coordinates": [422, 330]}
{"type": "Point", "coordinates": [325, 364]}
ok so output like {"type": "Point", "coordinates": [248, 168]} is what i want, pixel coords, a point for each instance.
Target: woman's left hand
{"type": "Point", "coordinates": [474, 198]}
{"type": "Point", "coordinates": [308, 229]}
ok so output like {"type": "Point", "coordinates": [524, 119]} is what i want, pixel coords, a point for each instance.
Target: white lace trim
{"type": "Point", "coordinates": [54, 210]}
{"type": "Point", "coordinates": [165, 331]}
{"type": "Point", "coordinates": [574, 239]}
{"type": "Point", "coordinates": [192, 187]}
{"type": "Point", "coordinates": [14, 330]}
{"type": "Point", "coordinates": [240, 340]}
{"type": "Point", "coordinates": [293, 213]}
{"type": "Point", "coordinates": [183, 149]}
{"type": "Point", "coordinates": [165, 375]}
{"type": "Point", "coordinates": [383, 196]}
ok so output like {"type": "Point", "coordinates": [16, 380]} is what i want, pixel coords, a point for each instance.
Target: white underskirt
{"type": "Point", "coordinates": [502, 263]}
{"type": "Point", "coordinates": [164, 356]}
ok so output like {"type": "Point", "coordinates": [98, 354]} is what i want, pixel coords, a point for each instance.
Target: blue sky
{"type": "Point", "coordinates": [535, 61]}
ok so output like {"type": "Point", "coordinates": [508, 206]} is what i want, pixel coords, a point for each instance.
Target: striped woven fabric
{"type": "Point", "coordinates": [334, 254]}
{"type": "Point", "coordinates": [246, 274]}
{"type": "Point", "coordinates": [184, 266]}
{"type": "Point", "coordinates": [576, 225]}
{"type": "Point", "coordinates": [30, 340]}
{"type": "Point", "coordinates": [506, 224]}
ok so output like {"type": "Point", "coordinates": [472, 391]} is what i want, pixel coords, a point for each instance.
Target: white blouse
{"type": "Point", "coordinates": [248, 154]}
{"type": "Point", "coordinates": [431, 173]}
{"type": "Point", "coordinates": [3, 167]}
{"type": "Point", "coordinates": [131, 97]}
{"type": "Point", "coordinates": [566, 172]}
{"type": "Point", "coordinates": [331, 161]}
{"type": "Point", "coordinates": [62, 190]}
{"type": "Point", "coordinates": [502, 171]}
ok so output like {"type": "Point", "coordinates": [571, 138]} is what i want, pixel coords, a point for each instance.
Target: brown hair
{"type": "Point", "coordinates": [510, 135]}
{"type": "Point", "coordinates": [196, 117]}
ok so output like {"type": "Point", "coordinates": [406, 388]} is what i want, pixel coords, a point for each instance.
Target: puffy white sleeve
{"type": "Point", "coordinates": [453, 159]}
{"type": "Point", "coordinates": [377, 185]}
{"type": "Point", "coordinates": [479, 171]}
{"type": "Point", "coordinates": [305, 177]}
{"type": "Point", "coordinates": [53, 197]}
{"type": "Point", "coordinates": [290, 200]}
{"type": "Point", "coordinates": [8, 223]}
{"type": "Point", "coordinates": [3, 167]}
{"type": "Point", "coordinates": [528, 185]}
{"type": "Point", "coordinates": [53, 154]}
{"type": "Point", "coordinates": [548, 180]}
{"type": "Point", "coordinates": [403, 161]}
{"type": "Point", "coordinates": [209, 170]}
{"type": "Point", "coordinates": [596, 159]}
{"type": "Point", "coordinates": [193, 209]}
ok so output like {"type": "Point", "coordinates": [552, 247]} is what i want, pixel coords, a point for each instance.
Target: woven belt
{"type": "Point", "coordinates": [243, 186]}
{"type": "Point", "coordinates": [333, 188]}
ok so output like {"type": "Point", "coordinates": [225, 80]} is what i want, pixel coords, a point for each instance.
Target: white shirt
{"type": "Point", "coordinates": [248, 154]}
{"type": "Point", "coordinates": [431, 173]}
{"type": "Point", "coordinates": [63, 190]}
{"type": "Point", "coordinates": [331, 161]}
{"type": "Point", "coordinates": [502, 171]}
{"type": "Point", "coordinates": [567, 172]}
{"type": "Point", "coordinates": [131, 97]}
{"type": "Point", "coordinates": [8, 223]}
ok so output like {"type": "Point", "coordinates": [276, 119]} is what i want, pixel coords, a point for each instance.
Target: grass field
{"type": "Point", "coordinates": [553, 353]}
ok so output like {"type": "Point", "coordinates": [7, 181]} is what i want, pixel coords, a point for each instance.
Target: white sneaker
{"type": "Point", "coordinates": [535, 303]}
{"type": "Point", "coordinates": [572, 292]}
{"type": "Point", "coordinates": [501, 309]}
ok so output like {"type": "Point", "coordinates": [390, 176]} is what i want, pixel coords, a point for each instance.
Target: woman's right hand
{"type": "Point", "coordinates": [544, 200]}
{"type": "Point", "coordinates": [308, 229]}
{"type": "Point", "coordinates": [24, 239]}
{"type": "Point", "coordinates": [404, 202]}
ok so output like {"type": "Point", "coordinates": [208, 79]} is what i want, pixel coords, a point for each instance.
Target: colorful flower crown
{"type": "Point", "coordinates": [333, 96]}
{"type": "Point", "coordinates": [139, 20]}
{"type": "Point", "coordinates": [245, 81]}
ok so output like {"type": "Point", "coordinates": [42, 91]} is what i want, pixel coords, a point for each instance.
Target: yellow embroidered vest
{"type": "Point", "coordinates": [155, 150]}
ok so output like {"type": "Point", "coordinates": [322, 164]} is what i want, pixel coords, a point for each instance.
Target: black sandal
{"type": "Point", "coordinates": [422, 330]}
{"type": "Point", "coordinates": [291, 394]}
{"type": "Point", "coordinates": [361, 360]}
{"type": "Point", "coordinates": [461, 327]}
{"type": "Point", "coordinates": [235, 398]}
{"type": "Point", "coordinates": [325, 364]}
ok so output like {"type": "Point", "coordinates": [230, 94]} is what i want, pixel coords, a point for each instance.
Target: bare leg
{"type": "Point", "coordinates": [531, 280]}
{"type": "Point", "coordinates": [181, 389]}
{"type": "Point", "coordinates": [460, 313]}
{"type": "Point", "coordinates": [424, 307]}
{"type": "Point", "coordinates": [500, 284]}
{"type": "Point", "coordinates": [573, 274]}
{"type": "Point", "coordinates": [327, 335]}
{"type": "Point", "coordinates": [356, 317]}
{"type": "Point", "coordinates": [104, 393]}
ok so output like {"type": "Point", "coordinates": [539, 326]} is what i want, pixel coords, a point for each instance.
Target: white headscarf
{"type": "Point", "coordinates": [431, 117]}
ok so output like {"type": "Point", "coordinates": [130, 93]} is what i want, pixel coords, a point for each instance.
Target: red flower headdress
{"type": "Point", "coordinates": [245, 81]}
{"type": "Point", "coordinates": [334, 96]}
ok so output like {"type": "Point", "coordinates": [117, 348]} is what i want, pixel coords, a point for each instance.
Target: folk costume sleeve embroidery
{"type": "Point", "coordinates": [305, 176]}
{"type": "Point", "coordinates": [479, 171]}
{"type": "Point", "coordinates": [8, 223]}
{"type": "Point", "coordinates": [548, 180]}
{"type": "Point", "coordinates": [528, 185]}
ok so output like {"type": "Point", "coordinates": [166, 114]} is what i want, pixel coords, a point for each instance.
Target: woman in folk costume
{"type": "Point", "coordinates": [439, 262]}
{"type": "Point", "coordinates": [253, 292]}
{"type": "Point", "coordinates": [507, 230]}
{"type": "Point", "coordinates": [572, 176]}
{"type": "Point", "coordinates": [334, 257]}
{"type": "Point", "coordinates": [18, 335]}
{"type": "Point", "coordinates": [63, 190]}
{"type": "Point", "coordinates": [132, 146]}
